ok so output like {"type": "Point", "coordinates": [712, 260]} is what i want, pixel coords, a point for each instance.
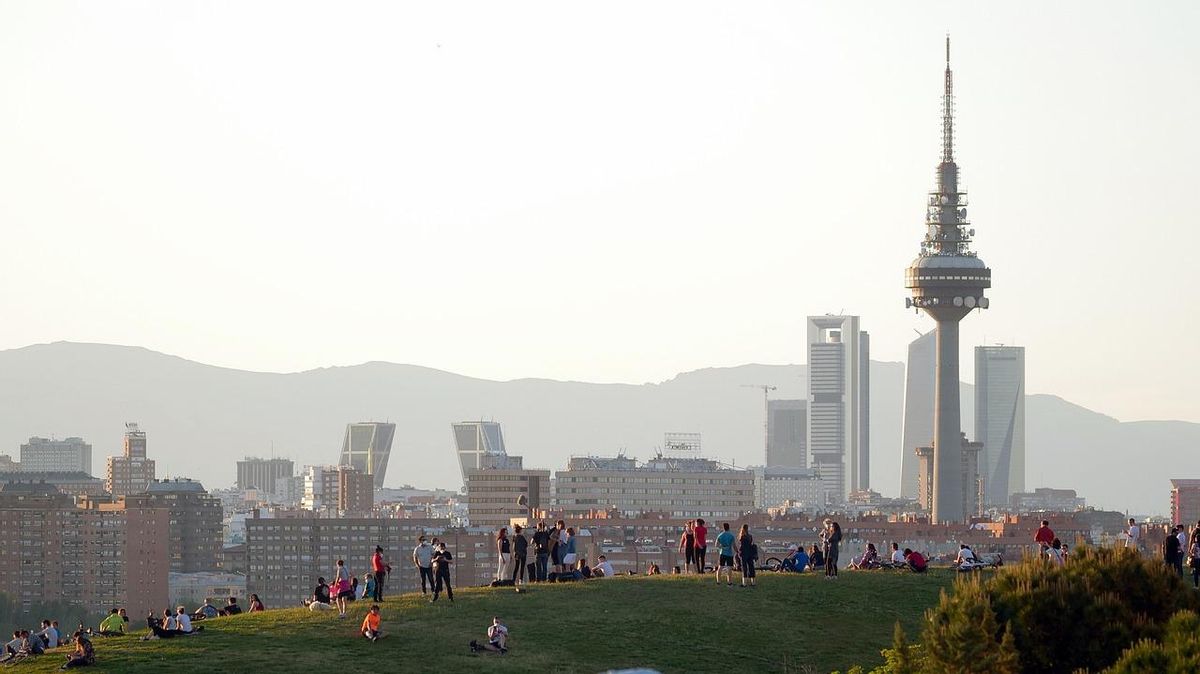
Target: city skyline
{"type": "Point", "coordinates": [654, 177]}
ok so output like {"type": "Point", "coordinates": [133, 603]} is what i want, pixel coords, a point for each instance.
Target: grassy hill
{"type": "Point", "coordinates": [789, 623]}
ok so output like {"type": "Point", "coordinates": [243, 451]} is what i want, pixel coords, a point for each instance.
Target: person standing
{"type": "Point", "coordinates": [442, 559]}
{"type": "Point", "coordinates": [1181, 534]}
{"type": "Point", "coordinates": [687, 546]}
{"type": "Point", "coordinates": [569, 556]}
{"type": "Point", "coordinates": [541, 550]}
{"type": "Point", "coordinates": [1170, 549]}
{"type": "Point", "coordinates": [1044, 536]}
{"type": "Point", "coordinates": [725, 541]}
{"type": "Point", "coordinates": [747, 552]}
{"type": "Point", "coordinates": [701, 533]}
{"type": "Point", "coordinates": [342, 586]}
{"type": "Point", "coordinates": [1194, 556]}
{"type": "Point", "coordinates": [379, 569]}
{"type": "Point", "coordinates": [832, 541]}
{"type": "Point", "coordinates": [423, 559]}
{"type": "Point", "coordinates": [557, 549]}
{"type": "Point", "coordinates": [1133, 535]}
{"type": "Point", "coordinates": [504, 552]}
{"type": "Point", "coordinates": [520, 547]}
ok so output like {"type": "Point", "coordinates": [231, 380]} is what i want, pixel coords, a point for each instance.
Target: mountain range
{"type": "Point", "coordinates": [200, 419]}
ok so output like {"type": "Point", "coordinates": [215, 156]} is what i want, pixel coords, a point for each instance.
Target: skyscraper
{"type": "Point", "coordinates": [56, 456]}
{"type": "Point", "coordinates": [1000, 420]}
{"type": "Point", "coordinates": [367, 446]}
{"type": "Point", "coordinates": [787, 433]}
{"type": "Point", "coordinates": [918, 410]}
{"type": "Point", "coordinates": [839, 404]}
{"type": "Point", "coordinates": [132, 472]}
{"type": "Point", "coordinates": [947, 281]}
{"type": "Point", "coordinates": [479, 444]}
{"type": "Point", "coordinates": [256, 473]}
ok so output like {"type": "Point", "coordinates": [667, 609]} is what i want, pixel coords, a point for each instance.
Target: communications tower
{"type": "Point", "coordinates": [947, 281]}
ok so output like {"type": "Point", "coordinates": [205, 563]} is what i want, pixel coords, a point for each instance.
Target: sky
{"type": "Point", "coordinates": [611, 192]}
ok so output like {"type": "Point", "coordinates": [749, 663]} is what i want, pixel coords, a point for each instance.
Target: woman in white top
{"type": "Point", "coordinates": [504, 553]}
{"type": "Point", "coordinates": [1054, 553]}
{"type": "Point", "coordinates": [342, 588]}
{"type": "Point", "coordinates": [966, 556]}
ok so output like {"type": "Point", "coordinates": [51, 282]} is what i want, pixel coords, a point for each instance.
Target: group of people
{"type": "Point", "coordinates": [1180, 550]}
{"type": "Point", "coordinates": [554, 556]}
{"type": "Point", "coordinates": [27, 643]}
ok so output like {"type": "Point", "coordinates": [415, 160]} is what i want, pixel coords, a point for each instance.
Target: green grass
{"type": "Point", "coordinates": [790, 623]}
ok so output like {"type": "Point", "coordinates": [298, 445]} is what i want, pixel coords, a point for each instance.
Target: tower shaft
{"type": "Point", "coordinates": [947, 428]}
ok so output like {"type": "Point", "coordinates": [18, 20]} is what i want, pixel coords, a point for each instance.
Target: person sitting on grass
{"type": "Point", "coordinates": [206, 611]}
{"type": "Point", "coordinates": [868, 560]}
{"type": "Point", "coordinates": [183, 624]}
{"type": "Point", "coordinates": [320, 597]}
{"type": "Point", "coordinates": [370, 624]}
{"type": "Point", "coordinates": [256, 604]}
{"type": "Point", "coordinates": [897, 555]}
{"type": "Point", "coordinates": [84, 655]}
{"type": "Point", "coordinates": [653, 570]}
{"type": "Point", "coordinates": [604, 569]}
{"type": "Point", "coordinates": [916, 561]}
{"type": "Point", "coordinates": [816, 559]}
{"type": "Point", "coordinates": [112, 625]}
{"type": "Point", "coordinates": [165, 628]}
{"type": "Point", "coordinates": [48, 635]}
{"type": "Point", "coordinates": [497, 639]}
{"type": "Point", "coordinates": [796, 561]}
{"type": "Point", "coordinates": [582, 567]}
{"type": "Point", "coordinates": [232, 608]}
{"type": "Point", "coordinates": [965, 561]}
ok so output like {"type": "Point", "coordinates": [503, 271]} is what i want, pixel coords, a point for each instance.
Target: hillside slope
{"type": "Point", "coordinates": [201, 419]}
{"type": "Point", "coordinates": [789, 623]}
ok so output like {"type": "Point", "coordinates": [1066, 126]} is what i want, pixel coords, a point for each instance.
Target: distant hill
{"type": "Point", "coordinates": [200, 419]}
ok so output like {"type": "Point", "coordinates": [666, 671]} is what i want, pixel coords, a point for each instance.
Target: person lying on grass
{"type": "Point", "coordinates": [370, 624]}
{"type": "Point", "coordinates": [497, 639]}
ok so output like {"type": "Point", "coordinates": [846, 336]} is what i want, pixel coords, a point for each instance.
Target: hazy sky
{"type": "Point", "coordinates": [604, 191]}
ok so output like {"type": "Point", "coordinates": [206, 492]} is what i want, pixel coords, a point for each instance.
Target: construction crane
{"type": "Point", "coordinates": [766, 389]}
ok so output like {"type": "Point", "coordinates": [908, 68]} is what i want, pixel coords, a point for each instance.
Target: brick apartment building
{"type": "Point", "coordinates": [98, 554]}
{"type": "Point", "coordinates": [196, 524]}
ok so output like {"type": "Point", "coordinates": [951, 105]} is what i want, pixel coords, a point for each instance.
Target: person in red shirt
{"type": "Point", "coordinates": [916, 561]}
{"type": "Point", "coordinates": [1044, 535]}
{"type": "Point", "coordinates": [701, 544]}
{"type": "Point", "coordinates": [380, 569]}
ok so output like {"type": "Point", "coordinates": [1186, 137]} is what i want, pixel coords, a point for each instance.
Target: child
{"type": "Point", "coordinates": [370, 624]}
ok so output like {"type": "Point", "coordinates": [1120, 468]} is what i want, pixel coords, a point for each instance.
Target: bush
{"type": "Point", "coordinates": [1179, 651]}
{"type": "Point", "coordinates": [962, 636]}
{"type": "Point", "coordinates": [1059, 619]}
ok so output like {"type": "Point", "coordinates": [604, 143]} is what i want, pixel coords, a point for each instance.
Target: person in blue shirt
{"type": "Point", "coordinates": [725, 546]}
{"type": "Point", "coordinates": [797, 561]}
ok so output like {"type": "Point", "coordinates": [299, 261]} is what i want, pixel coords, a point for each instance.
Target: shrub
{"type": "Point", "coordinates": [962, 636]}
{"type": "Point", "coordinates": [1059, 619]}
{"type": "Point", "coordinates": [1178, 652]}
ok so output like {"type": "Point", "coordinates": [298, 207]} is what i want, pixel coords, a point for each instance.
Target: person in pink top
{"type": "Point", "coordinates": [701, 532]}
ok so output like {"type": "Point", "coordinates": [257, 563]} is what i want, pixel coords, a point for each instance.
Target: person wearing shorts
{"type": "Point", "coordinates": [725, 541]}
{"type": "Point", "coordinates": [687, 546]}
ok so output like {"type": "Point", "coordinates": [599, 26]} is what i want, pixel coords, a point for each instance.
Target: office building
{"type": "Point", "coordinates": [355, 492]}
{"type": "Point", "coordinates": [262, 474]}
{"type": "Point", "coordinates": [72, 484]}
{"type": "Point", "coordinates": [918, 409]}
{"type": "Point", "coordinates": [286, 552]}
{"type": "Point", "coordinates": [1000, 420]}
{"type": "Point", "coordinates": [196, 531]}
{"type": "Point", "coordinates": [132, 472]}
{"type": "Point", "coordinates": [947, 281]}
{"type": "Point", "coordinates": [367, 446]}
{"type": "Point", "coordinates": [798, 487]}
{"type": "Point", "coordinates": [1044, 499]}
{"type": "Point", "coordinates": [72, 455]}
{"type": "Point", "coordinates": [787, 433]}
{"type": "Point", "coordinates": [493, 493]}
{"type": "Point", "coordinates": [967, 475]}
{"type": "Point", "coordinates": [682, 487]}
{"type": "Point", "coordinates": [97, 555]}
{"type": "Point", "coordinates": [1185, 502]}
{"type": "Point", "coordinates": [839, 414]}
{"type": "Point", "coordinates": [480, 444]}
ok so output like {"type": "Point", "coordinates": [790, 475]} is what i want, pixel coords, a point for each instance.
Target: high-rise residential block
{"type": "Point", "coordinates": [1000, 420]}
{"type": "Point", "coordinates": [286, 552]}
{"type": "Point", "coordinates": [367, 446]}
{"type": "Point", "coordinates": [839, 413]}
{"type": "Point", "coordinates": [918, 410]}
{"type": "Point", "coordinates": [71, 455]}
{"type": "Point", "coordinates": [355, 492]}
{"type": "Point", "coordinates": [967, 474]}
{"type": "Point", "coordinates": [787, 433]}
{"type": "Point", "coordinates": [1185, 502]}
{"type": "Point", "coordinates": [196, 529]}
{"type": "Point", "coordinates": [262, 474]}
{"type": "Point", "coordinates": [494, 494]}
{"type": "Point", "coordinates": [132, 472]}
{"type": "Point", "coordinates": [99, 554]}
{"type": "Point", "coordinates": [681, 487]}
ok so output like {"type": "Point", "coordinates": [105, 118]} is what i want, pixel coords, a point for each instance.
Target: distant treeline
{"type": "Point", "coordinates": [68, 615]}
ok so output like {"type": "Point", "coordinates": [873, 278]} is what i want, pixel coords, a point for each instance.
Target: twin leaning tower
{"type": "Point", "coordinates": [947, 281]}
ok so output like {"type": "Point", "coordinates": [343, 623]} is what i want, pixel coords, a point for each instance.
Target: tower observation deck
{"type": "Point", "coordinates": [947, 281]}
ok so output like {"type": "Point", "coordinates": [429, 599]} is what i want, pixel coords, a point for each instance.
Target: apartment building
{"type": "Point", "coordinates": [680, 487]}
